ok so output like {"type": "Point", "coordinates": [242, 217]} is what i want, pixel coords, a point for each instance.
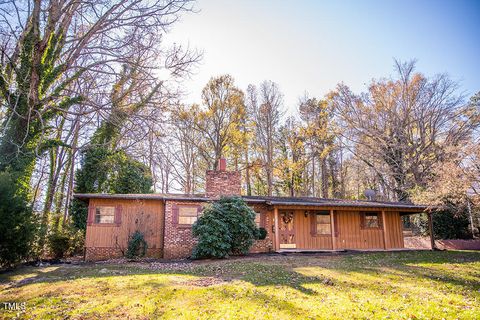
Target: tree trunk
{"type": "Point", "coordinates": [73, 154]}
{"type": "Point", "coordinates": [323, 164]}
{"type": "Point", "coordinates": [247, 173]}
{"type": "Point", "coordinates": [313, 176]}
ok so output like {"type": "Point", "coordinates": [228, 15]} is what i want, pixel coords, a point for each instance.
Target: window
{"type": "Point", "coordinates": [322, 222]}
{"type": "Point", "coordinates": [104, 214]}
{"type": "Point", "coordinates": [187, 215]}
{"type": "Point", "coordinates": [371, 220]}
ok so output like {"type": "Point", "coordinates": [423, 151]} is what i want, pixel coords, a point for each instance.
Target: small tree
{"type": "Point", "coordinates": [17, 227]}
{"type": "Point", "coordinates": [107, 171]}
{"type": "Point", "coordinates": [225, 227]}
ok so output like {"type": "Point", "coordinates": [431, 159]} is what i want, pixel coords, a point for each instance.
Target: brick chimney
{"type": "Point", "coordinates": [221, 182]}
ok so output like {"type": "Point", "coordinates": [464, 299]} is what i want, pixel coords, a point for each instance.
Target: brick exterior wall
{"type": "Point", "coordinates": [105, 253]}
{"type": "Point", "coordinates": [102, 253]}
{"type": "Point", "coordinates": [179, 242]}
{"type": "Point", "coordinates": [267, 222]}
{"type": "Point", "coordinates": [222, 183]}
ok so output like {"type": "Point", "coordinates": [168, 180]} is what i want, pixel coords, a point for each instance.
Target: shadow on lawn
{"type": "Point", "coordinates": [278, 271]}
{"type": "Point", "coordinates": [416, 265]}
{"type": "Point", "coordinates": [220, 272]}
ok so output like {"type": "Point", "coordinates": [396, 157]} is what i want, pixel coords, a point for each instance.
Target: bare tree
{"type": "Point", "coordinates": [319, 133]}
{"type": "Point", "coordinates": [51, 54]}
{"type": "Point", "coordinates": [265, 106]}
{"type": "Point", "coordinates": [220, 120]}
{"type": "Point", "coordinates": [401, 127]}
{"type": "Point", "coordinates": [292, 160]}
{"type": "Point", "coordinates": [185, 152]}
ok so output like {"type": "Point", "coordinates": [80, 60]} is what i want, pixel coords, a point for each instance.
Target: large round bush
{"type": "Point", "coordinates": [226, 227]}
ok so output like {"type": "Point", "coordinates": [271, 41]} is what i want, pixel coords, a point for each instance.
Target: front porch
{"type": "Point", "coordinates": [333, 229]}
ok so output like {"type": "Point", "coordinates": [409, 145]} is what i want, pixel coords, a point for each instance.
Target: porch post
{"type": "Point", "coordinates": [332, 230]}
{"type": "Point", "coordinates": [384, 227]}
{"type": "Point", "coordinates": [430, 229]}
{"type": "Point", "coordinates": [277, 236]}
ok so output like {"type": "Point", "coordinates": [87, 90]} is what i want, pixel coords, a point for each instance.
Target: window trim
{"type": "Point", "coordinates": [363, 220]}
{"type": "Point", "coordinates": [117, 216]}
{"type": "Point", "coordinates": [176, 214]}
{"type": "Point", "coordinates": [313, 223]}
{"type": "Point", "coordinates": [98, 213]}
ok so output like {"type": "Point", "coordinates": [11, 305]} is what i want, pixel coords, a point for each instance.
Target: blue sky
{"type": "Point", "coordinates": [310, 46]}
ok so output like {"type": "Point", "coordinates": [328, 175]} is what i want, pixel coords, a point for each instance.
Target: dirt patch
{"type": "Point", "coordinates": [205, 282]}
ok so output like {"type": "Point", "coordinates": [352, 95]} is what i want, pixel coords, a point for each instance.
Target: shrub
{"type": "Point", "coordinates": [77, 242]}
{"type": "Point", "coordinates": [66, 241]}
{"type": "Point", "coordinates": [225, 227]}
{"type": "Point", "coordinates": [214, 238]}
{"type": "Point", "coordinates": [17, 224]}
{"type": "Point", "coordinates": [58, 244]}
{"type": "Point", "coordinates": [261, 233]}
{"type": "Point", "coordinates": [137, 246]}
{"type": "Point", "coordinates": [451, 222]}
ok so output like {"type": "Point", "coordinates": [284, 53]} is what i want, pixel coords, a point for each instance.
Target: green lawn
{"type": "Point", "coordinates": [406, 285]}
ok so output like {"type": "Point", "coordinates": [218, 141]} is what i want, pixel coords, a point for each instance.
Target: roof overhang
{"type": "Point", "coordinates": [370, 205]}
{"type": "Point", "coordinates": [139, 196]}
{"type": "Point", "coordinates": [281, 203]}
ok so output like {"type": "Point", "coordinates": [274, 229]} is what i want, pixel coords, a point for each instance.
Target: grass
{"type": "Point", "coordinates": [396, 285]}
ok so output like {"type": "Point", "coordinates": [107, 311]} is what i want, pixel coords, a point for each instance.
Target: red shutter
{"type": "Point", "coordinates": [175, 213]}
{"type": "Point", "coordinates": [90, 215]}
{"type": "Point", "coordinates": [335, 223]}
{"type": "Point", "coordinates": [313, 223]}
{"type": "Point", "coordinates": [118, 215]}
{"type": "Point", "coordinates": [362, 220]}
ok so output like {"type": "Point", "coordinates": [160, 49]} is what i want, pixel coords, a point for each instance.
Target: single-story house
{"type": "Point", "coordinates": [292, 223]}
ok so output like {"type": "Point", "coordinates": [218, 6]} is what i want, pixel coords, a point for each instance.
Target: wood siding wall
{"type": "Point", "coordinates": [143, 215]}
{"type": "Point", "coordinates": [304, 238]}
{"type": "Point", "coordinates": [352, 236]}
{"type": "Point", "coordinates": [349, 233]}
{"type": "Point", "coordinates": [394, 239]}
{"type": "Point", "coordinates": [147, 216]}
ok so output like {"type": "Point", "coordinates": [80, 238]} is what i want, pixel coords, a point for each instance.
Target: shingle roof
{"type": "Point", "coordinates": [279, 201]}
{"type": "Point", "coordinates": [324, 202]}
{"type": "Point", "coordinates": [143, 196]}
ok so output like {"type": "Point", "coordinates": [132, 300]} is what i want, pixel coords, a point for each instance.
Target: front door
{"type": "Point", "coordinates": [287, 230]}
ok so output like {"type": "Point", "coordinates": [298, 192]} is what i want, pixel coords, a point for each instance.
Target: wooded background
{"type": "Point", "coordinates": [91, 100]}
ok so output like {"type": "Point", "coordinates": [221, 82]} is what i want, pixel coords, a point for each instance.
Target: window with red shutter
{"type": "Point", "coordinates": [371, 220]}
{"type": "Point", "coordinates": [186, 215]}
{"type": "Point", "coordinates": [105, 215]}
{"type": "Point", "coordinates": [320, 223]}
